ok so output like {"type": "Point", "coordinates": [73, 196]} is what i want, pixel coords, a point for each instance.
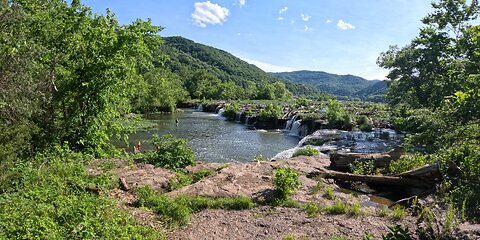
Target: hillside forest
{"type": "Point", "coordinates": [69, 78]}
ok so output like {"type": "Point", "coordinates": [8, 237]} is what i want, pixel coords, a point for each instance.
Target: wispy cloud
{"type": "Point", "coordinates": [284, 9]}
{"type": "Point", "coordinates": [209, 13]}
{"type": "Point", "coordinates": [307, 29]}
{"type": "Point", "coordinates": [266, 66]}
{"type": "Point", "coordinates": [328, 21]}
{"type": "Point", "coordinates": [344, 25]}
{"type": "Point", "coordinates": [242, 2]}
{"type": "Point", "coordinates": [280, 18]}
{"type": "Point", "coordinates": [305, 17]}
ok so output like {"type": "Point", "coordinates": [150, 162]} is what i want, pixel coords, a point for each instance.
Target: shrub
{"type": "Point", "coordinates": [231, 110]}
{"type": "Point", "coordinates": [312, 209]}
{"type": "Point", "coordinates": [408, 162]}
{"type": "Point", "coordinates": [364, 123]}
{"type": "Point", "coordinates": [49, 199]}
{"type": "Point", "coordinates": [286, 181]}
{"type": "Point", "coordinates": [363, 167]}
{"type": "Point", "coordinates": [170, 152]}
{"type": "Point", "coordinates": [270, 112]}
{"type": "Point", "coordinates": [397, 233]}
{"type": "Point", "coordinates": [337, 116]}
{"type": "Point", "coordinates": [308, 151]}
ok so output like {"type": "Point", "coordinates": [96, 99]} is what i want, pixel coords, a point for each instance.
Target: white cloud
{"type": "Point", "coordinates": [328, 21]}
{"type": "Point", "coordinates": [344, 25]}
{"type": "Point", "coordinates": [307, 29]}
{"type": "Point", "coordinates": [267, 67]}
{"type": "Point", "coordinates": [242, 2]}
{"type": "Point", "coordinates": [305, 17]}
{"type": "Point", "coordinates": [284, 9]}
{"type": "Point", "coordinates": [209, 13]}
{"type": "Point", "coordinates": [292, 21]}
{"type": "Point", "coordinates": [280, 18]}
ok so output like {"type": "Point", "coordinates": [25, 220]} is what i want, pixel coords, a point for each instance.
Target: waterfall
{"type": "Point", "coordinates": [290, 122]}
{"type": "Point", "coordinates": [238, 117]}
{"type": "Point", "coordinates": [295, 128]}
{"type": "Point", "coordinates": [199, 108]}
{"type": "Point", "coordinates": [221, 111]}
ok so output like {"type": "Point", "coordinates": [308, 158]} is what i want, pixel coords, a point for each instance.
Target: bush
{"type": "Point", "coordinates": [337, 116]}
{"type": "Point", "coordinates": [363, 167]}
{"type": "Point", "coordinates": [286, 181]}
{"type": "Point", "coordinates": [48, 199]}
{"type": "Point", "coordinates": [170, 152]}
{"type": "Point", "coordinates": [408, 162]}
{"type": "Point", "coordinates": [231, 111]}
{"type": "Point", "coordinates": [270, 112]}
{"type": "Point", "coordinates": [308, 151]}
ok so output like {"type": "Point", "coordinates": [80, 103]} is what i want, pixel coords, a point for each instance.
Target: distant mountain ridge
{"type": "Point", "coordinates": [342, 86]}
{"type": "Point", "coordinates": [186, 56]}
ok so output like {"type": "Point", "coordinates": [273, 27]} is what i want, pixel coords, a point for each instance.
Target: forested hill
{"type": "Point", "coordinates": [343, 86]}
{"type": "Point", "coordinates": [187, 58]}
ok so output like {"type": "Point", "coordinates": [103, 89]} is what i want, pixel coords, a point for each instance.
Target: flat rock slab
{"type": "Point", "coordinates": [251, 179]}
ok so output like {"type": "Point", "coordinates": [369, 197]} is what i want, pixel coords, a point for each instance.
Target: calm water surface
{"type": "Point", "coordinates": [215, 140]}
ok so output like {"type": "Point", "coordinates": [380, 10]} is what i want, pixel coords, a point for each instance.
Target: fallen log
{"type": "Point", "coordinates": [427, 172]}
{"type": "Point", "coordinates": [381, 180]}
{"type": "Point", "coordinates": [381, 160]}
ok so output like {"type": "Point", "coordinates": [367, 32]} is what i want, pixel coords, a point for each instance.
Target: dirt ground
{"type": "Point", "coordinates": [254, 180]}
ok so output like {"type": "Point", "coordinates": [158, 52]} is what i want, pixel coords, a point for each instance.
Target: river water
{"type": "Point", "coordinates": [215, 140]}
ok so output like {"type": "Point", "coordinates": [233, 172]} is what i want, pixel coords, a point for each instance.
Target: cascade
{"type": "Point", "coordinates": [199, 108]}
{"type": "Point", "coordinates": [220, 112]}
{"type": "Point", "coordinates": [290, 122]}
{"type": "Point", "coordinates": [238, 117]}
{"type": "Point", "coordinates": [295, 128]}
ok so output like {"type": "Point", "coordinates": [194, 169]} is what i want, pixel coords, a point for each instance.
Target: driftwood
{"type": "Point", "coordinates": [123, 184]}
{"type": "Point", "coordinates": [416, 178]}
{"type": "Point", "coordinates": [343, 160]}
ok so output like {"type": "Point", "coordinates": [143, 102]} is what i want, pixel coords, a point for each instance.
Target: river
{"type": "Point", "coordinates": [215, 140]}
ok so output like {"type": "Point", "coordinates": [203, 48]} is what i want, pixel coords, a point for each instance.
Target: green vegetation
{"type": "Point", "coordinates": [286, 181]}
{"type": "Point", "coordinates": [435, 89]}
{"type": "Point", "coordinates": [338, 207]}
{"type": "Point", "coordinates": [231, 110]}
{"type": "Point", "coordinates": [307, 151]}
{"type": "Point", "coordinates": [337, 116]}
{"type": "Point", "coordinates": [271, 112]}
{"type": "Point", "coordinates": [170, 152]}
{"type": "Point", "coordinates": [176, 212]}
{"type": "Point", "coordinates": [329, 193]}
{"type": "Point", "coordinates": [211, 73]}
{"type": "Point", "coordinates": [363, 167]}
{"type": "Point", "coordinates": [184, 179]}
{"type": "Point", "coordinates": [51, 197]}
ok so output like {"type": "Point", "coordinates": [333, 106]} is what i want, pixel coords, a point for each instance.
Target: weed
{"type": "Point", "coordinates": [397, 233]}
{"type": "Point", "coordinates": [338, 207]}
{"type": "Point", "coordinates": [312, 209]}
{"type": "Point", "coordinates": [329, 193]}
{"type": "Point", "coordinates": [398, 213]}
{"type": "Point", "coordinates": [260, 158]}
{"type": "Point", "coordinates": [170, 152]}
{"type": "Point", "coordinates": [319, 186]}
{"type": "Point", "coordinates": [176, 212]}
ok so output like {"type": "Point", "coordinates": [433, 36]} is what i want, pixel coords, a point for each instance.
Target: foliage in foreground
{"type": "Point", "coordinates": [170, 152]}
{"type": "Point", "coordinates": [177, 211]}
{"type": "Point", "coordinates": [286, 181]}
{"type": "Point", "coordinates": [435, 87]}
{"type": "Point", "coordinates": [47, 198]}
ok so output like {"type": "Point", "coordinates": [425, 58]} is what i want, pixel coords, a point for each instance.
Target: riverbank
{"type": "Point", "coordinates": [320, 209]}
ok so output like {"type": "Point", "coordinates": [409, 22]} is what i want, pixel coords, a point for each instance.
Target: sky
{"type": "Point", "coordinates": [335, 36]}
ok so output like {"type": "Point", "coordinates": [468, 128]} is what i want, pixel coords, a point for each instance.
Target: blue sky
{"type": "Point", "coordinates": [336, 36]}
